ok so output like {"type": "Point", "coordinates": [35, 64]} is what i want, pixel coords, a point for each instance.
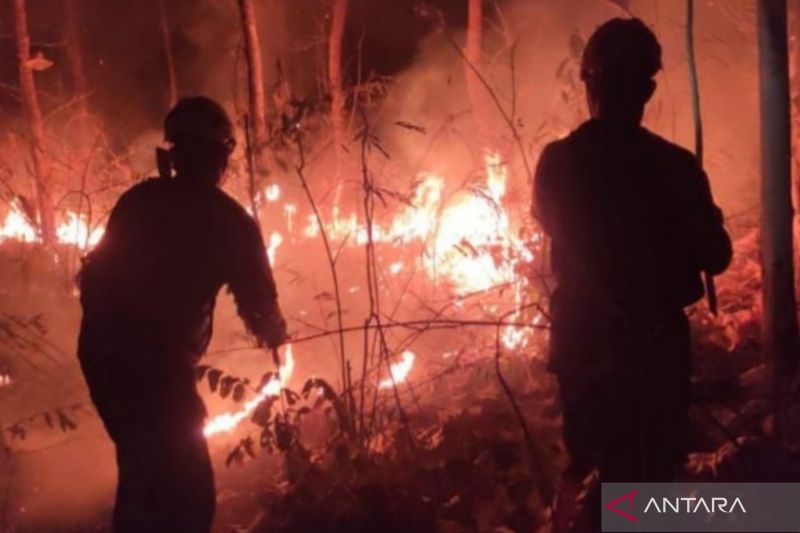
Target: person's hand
{"type": "Point", "coordinates": [276, 335]}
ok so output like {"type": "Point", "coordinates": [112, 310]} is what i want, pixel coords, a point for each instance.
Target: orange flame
{"type": "Point", "coordinates": [399, 370]}
{"type": "Point", "coordinates": [227, 422]}
{"type": "Point", "coordinates": [16, 226]}
{"type": "Point", "coordinates": [73, 231]}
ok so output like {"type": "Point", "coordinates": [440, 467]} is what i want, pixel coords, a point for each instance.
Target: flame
{"type": "Point", "coordinates": [16, 225]}
{"type": "Point", "coordinates": [399, 370]}
{"type": "Point", "coordinates": [76, 232]}
{"type": "Point", "coordinates": [227, 422]}
{"type": "Point", "coordinates": [469, 241]}
{"type": "Point", "coordinates": [275, 240]}
{"type": "Point", "coordinates": [273, 192]}
{"type": "Point", "coordinates": [72, 231]}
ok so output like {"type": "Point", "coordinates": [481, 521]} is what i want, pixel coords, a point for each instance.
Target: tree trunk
{"type": "Point", "coordinates": [694, 85]}
{"type": "Point", "coordinates": [169, 59]}
{"type": "Point", "coordinates": [255, 78]}
{"type": "Point", "coordinates": [74, 58]}
{"type": "Point", "coordinates": [339, 16]}
{"type": "Point", "coordinates": [33, 112]}
{"type": "Point", "coordinates": [780, 314]}
{"type": "Point", "coordinates": [794, 79]}
{"type": "Point", "coordinates": [473, 53]}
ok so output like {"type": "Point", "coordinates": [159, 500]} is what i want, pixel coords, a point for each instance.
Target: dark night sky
{"type": "Point", "coordinates": [123, 52]}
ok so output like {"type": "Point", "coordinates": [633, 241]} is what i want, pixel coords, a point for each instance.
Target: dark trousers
{"type": "Point", "coordinates": [155, 418]}
{"type": "Point", "coordinates": [626, 405]}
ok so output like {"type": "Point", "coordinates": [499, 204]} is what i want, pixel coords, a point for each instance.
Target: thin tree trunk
{"type": "Point", "coordinates": [794, 79]}
{"type": "Point", "coordinates": [255, 77]}
{"type": "Point", "coordinates": [473, 54]}
{"type": "Point", "coordinates": [74, 56]}
{"type": "Point", "coordinates": [780, 313]}
{"type": "Point", "coordinates": [694, 84]}
{"type": "Point", "coordinates": [339, 16]}
{"type": "Point", "coordinates": [33, 112]}
{"type": "Point", "coordinates": [169, 59]}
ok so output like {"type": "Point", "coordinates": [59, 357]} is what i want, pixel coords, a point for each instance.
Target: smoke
{"type": "Point", "coordinates": [548, 99]}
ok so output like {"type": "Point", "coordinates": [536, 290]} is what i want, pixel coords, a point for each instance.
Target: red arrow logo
{"type": "Point", "coordinates": [611, 506]}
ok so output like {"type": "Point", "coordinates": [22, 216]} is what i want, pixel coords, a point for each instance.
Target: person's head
{"type": "Point", "coordinates": [202, 139]}
{"type": "Point", "coordinates": [619, 63]}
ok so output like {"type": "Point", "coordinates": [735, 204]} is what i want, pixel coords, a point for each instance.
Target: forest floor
{"type": "Point", "coordinates": [460, 460]}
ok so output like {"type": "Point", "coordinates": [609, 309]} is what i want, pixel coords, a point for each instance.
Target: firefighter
{"type": "Point", "coordinates": [633, 225]}
{"type": "Point", "coordinates": [148, 291]}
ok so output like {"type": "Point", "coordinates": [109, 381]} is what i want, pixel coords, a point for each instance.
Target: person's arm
{"type": "Point", "coordinates": [253, 286]}
{"type": "Point", "coordinates": [542, 205]}
{"type": "Point", "coordinates": [713, 246]}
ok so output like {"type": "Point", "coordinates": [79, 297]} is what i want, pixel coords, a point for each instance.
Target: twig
{"type": "Point", "coordinates": [251, 171]}
{"type": "Point", "coordinates": [300, 168]}
{"type": "Point", "coordinates": [373, 288]}
{"type": "Point", "coordinates": [544, 487]}
{"type": "Point", "coordinates": [508, 119]}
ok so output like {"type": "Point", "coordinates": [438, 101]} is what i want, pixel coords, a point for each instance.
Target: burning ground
{"type": "Point", "coordinates": [413, 394]}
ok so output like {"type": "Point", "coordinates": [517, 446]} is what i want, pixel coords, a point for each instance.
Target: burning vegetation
{"type": "Point", "coordinates": [386, 150]}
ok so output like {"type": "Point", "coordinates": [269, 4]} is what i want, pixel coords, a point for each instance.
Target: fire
{"type": "Point", "coordinates": [273, 192]}
{"type": "Point", "coordinates": [227, 422]}
{"type": "Point", "coordinates": [75, 231]}
{"type": "Point", "coordinates": [16, 226]}
{"type": "Point", "coordinates": [399, 370]}
{"type": "Point", "coordinates": [275, 240]}
{"type": "Point", "coordinates": [72, 231]}
{"type": "Point", "coordinates": [469, 238]}
{"type": "Point", "coordinates": [465, 241]}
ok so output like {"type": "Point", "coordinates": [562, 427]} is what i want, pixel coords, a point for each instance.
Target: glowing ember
{"type": "Point", "coordinates": [227, 422]}
{"type": "Point", "coordinates": [399, 370]}
{"type": "Point", "coordinates": [272, 192]}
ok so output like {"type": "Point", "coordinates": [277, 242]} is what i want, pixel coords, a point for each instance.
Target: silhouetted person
{"type": "Point", "coordinates": [148, 292]}
{"type": "Point", "coordinates": [633, 224]}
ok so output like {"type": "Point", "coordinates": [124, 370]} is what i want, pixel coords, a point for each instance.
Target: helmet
{"type": "Point", "coordinates": [198, 117]}
{"type": "Point", "coordinates": [622, 49]}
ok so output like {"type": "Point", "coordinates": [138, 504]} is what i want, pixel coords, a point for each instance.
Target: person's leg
{"type": "Point", "coordinates": [667, 397]}
{"type": "Point", "coordinates": [184, 486]}
{"type": "Point", "coordinates": [166, 482]}
{"type": "Point", "coordinates": [165, 479]}
{"type": "Point", "coordinates": [582, 408]}
{"type": "Point", "coordinates": [133, 508]}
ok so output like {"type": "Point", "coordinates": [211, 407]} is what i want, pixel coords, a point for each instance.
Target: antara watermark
{"type": "Point", "coordinates": [689, 504]}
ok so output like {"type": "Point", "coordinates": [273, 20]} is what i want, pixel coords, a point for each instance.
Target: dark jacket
{"type": "Point", "coordinates": [632, 224]}
{"type": "Point", "coordinates": [153, 279]}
